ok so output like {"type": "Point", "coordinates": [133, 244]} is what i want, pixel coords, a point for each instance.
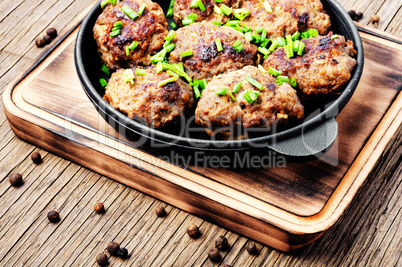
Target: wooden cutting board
{"type": "Point", "coordinates": [282, 207]}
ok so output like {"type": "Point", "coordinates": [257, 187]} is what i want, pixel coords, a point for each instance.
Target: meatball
{"type": "Point", "coordinates": [287, 16]}
{"type": "Point", "coordinates": [274, 103]}
{"type": "Point", "coordinates": [148, 29]}
{"type": "Point", "coordinates": [206, 61]}
{"type": "Point", "coordinates": [182, 9]}
{"type": "Point", "coordinates": [147, 101]}
{"type": "Point", "coordinates": [323, 69]}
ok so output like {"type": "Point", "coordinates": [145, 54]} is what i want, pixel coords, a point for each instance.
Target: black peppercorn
{"type": "Point", "coordinates": [113, 247]}
{"type": "Point", "coordinates": [122, 253]}
{"type": "Point", "coordinates": [214, 255]}
{"type": "Point", "coordinates": [222, 243]}
{"type": "Point", "coordinates": [352, 14]}
{"type": "Point", "coordinates": [53, 216]}
{"type": "Point", "coordinates": [52, 32]}
{"type": "Point", "coordinates": [47, 39]}
{"type": "Point", "coordinates": [36, 158]}
{"type": "Point", "coordinates": [252, 248]}
{"type": "Point", "coordinates": [160, 211]}
{"type": "Point", "coordinates": [193, 231]}
{"type": "Point", "coordinates": [39, 42]}
{"type": "Point", "coordinates": [15, 179]}
{"type": "Point", "coordinates": [99, 208]}
{"type": "Point", "coordinates": [102, 259]}
{"type": "Point", "coordinates": [359, 15]}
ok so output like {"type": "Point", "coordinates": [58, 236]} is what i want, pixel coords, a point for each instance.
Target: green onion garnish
{"type": "Point", "coordinates": [237, 88]}
{"type": "Point", "coordinates": [105, 70]}
{"type": "Point", "coordinates": [197, 92]}
{"type": "Point", "coordinates": [103, 82]}
{"type": "Point", "coordinates": [289, 39]}
{"type": "Point", "coordinates": [301, 48]}
{"type": "Point", "coordinates": [263, 35]}
{"type": "Point", "coordinates": [262, 69]}
{"type": "Point", "coordinates": [241, 13]}
{"type": "Point", "coordinates": [231, 96]}
{"type": "Point", "coordinates": [140, 72]}
{"type": "Point", "coordinates": [293, 82]}
{"type": "Point", "coordinates": [170, 36]}
{"type": "Point", "coordinates": [162, 83]}
{"type": "Point", "coordinates": [334, 36]}
{"type": "Point", "coordinates": [127, 50]}
{"type": "Point", "coordinates": [274, 72]}
{"type": "Point", "coordinates": [265, 43]}
{"type": "Point", "coordinates": [246, 28]}
{"type": "Point", "coordinates": [118, 25]}
{"type": "Point", "coordinates": [201, 6]}
{"type": "Point", "coordinates": [194, 3]}
{"type": "Point", "coordinates": [232, 23]}
{"type": "Point", "coordinates": [216, 23]}
{"type": "Point", "coordinates": [186, 53]}
{"type": "Point", "coordinates": [114, 33]}
{"type": "Point", "coordinates": [217, 10]}
{"type": "Point", "coordinates": [226, 10]}
{"type": "Point", "coordinates": [203, 84]}
{"type": "Point", "coordinates": [142, 8]}
{"type": "Point", "coordinates": [273, 46]}
{"type": "Point", "coordinates": [104, 3]}
{"type": "Point", "coordinates": [248, 36]}
{"type": "Point", "coordinates": [159, 67]}
{"type": "Point", "coordinates": [170, 9]}
{"type": "Point", "coordinates": [171, 73]}
{"type": "Point", "coordinates": [250, 96]}
{"type": "Point", "coordinates": [187, 21]}
{"type": "Point", "coordinates": [259, 29]}
{"type": "Point", "coordinates": [254, 82]}
{"type": "Point", "coordinates": [312, 32]}
{"type": "Point", "coordinates": [128, 76]}
{"type": "Point", "coordinates": [222, 91]}
{"type": "Point", "coordinates": [289, 49]}
{"type": "Point", "coordinates": [133, 45]}
{"type": "Point", "coordinates": [296, 45]}
{"type": "Point", "coordinates": [305, 35]}
{"type": "Point", "coordinates": [129, 12]}
{"type": "Point", "coordinates": [218, 1]}
{"type": "Point", "coordinates": [192, 16]}
{"type": "Point", "coordinates": [236, 44]}
{"type": "Point", "coordinates": [166, 44]}
{"type": "Point", "coordinates": [218, 44]}
{"type": "Point", "coordinates": [174, 25]}
{"type": "Point", "coordinates": [113, 2]}
{"type": "Point", "coordinates": [267, 7]}
{"type": "Point", "coordinates": [170, 48]}
{"type": "Point", "coordinates": [263, 50]}
{"type": "Point", "coordinates": [282, 79]}
{"type": "Point", "coordinates": [281, 41]}
{"type": "Point", "coordinates": [295, 36]}
{"type": "Point", "coordinates": [239, 48]}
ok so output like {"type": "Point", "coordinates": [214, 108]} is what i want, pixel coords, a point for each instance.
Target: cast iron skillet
{"type": "Point", "coordinates": [315, 134]}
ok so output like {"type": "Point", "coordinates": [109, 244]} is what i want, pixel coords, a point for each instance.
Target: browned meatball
{"type": "Point", "coordinates": [206, 60]}
{"type": "Point", "coordinates": [287, 17]}
{"type": "Point", "coordinates": [323, 69]}
{"type": "Point", "coordinates": [148, 102]}
{"type": "Point", "coordinates": [182, 9]}
{"type": "Point", "coordinates": [148, 29]}
{"type": "Point", "coordinates": [274, 102]}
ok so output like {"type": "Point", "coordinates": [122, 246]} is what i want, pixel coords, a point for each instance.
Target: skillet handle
{"type": "Point", "coordinates": [312, 142]}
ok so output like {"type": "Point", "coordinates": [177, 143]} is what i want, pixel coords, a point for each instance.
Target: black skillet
{"type": "Point", "coordinates": [311, 137]}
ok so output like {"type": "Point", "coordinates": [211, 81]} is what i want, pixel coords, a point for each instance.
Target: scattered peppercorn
{"type": "Point", "coordinates": [113, 247]}
{"type": "Point", "coordinates": [36, 158]}
{"type": "Point", "coordinates": [122, 253]}
{"type": "Point", "coordinates": [47, 39]}
{"type": "Point", "coordinates": [359, 15]}
{"type": "Point", "coordinates": [52, 32]}
{"type": "Point", "coordinates": [251, 248]}
{"type": "Point", "coordinates": [375, 19]}
{"type": "Point", "coordinates": [15, 180]}
{"type": "Point", "coordinates": [99, 208]}
{"type": "Point", "coordinates": [222, 243]}
{"type": "Point", "coordinates": [39, 42]}
{"type": "Point", "coordinates": [102, 259]}
{"type": "Point", "coordinates": [193, 231]}
{"type": "Point", "coordinates": [53, 216]}
{"type": "Point", "coordinates": [160, 211]}
{"type": "Point", "coordinates": [352, 14]}
{"type": "Point", "coordinates": [214, 255]}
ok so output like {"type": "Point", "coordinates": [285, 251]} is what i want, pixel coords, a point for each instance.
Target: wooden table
{"type": "Point", "coordinates": [369, 232]}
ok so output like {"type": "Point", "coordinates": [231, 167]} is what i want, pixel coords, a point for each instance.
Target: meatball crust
{"type": "Point", "coordinates": [206, 60]}
{"type": "Point", "coordinates": [287, 17]}
{"type": "Point", "coordinates": [182, 9]}
{"type": "Point", "coordinates": [274, 103]}
{"type": "Point", "coordinates": [323, 69]}
{"type": "Point", "coordinates": [146, 101]}
{"type": "Point", "coordinates": [148, 29]}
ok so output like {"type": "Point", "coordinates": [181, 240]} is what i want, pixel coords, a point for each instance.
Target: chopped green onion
{"type": "Point", "coordinates": [232, 23]}
{"type": "Point", "coordinates": [159, 67]}
{"type": "Point", "coordinates": [241, 13]}
{"type": "Point", "coordinates": [219, 44]}
{"type": "Point", "coordinates": [218, 1]}
{"type": "Point", "coordinates": [170, 9]}
{"type": "Point", "coordinates": [231, 96]}
{"type": "Point", "coordinates": [194, 3]}
{"type": "Point", "coordinates": [133, 45]}
{"type": "Point", "coordinates": [259, 29]}
{"type": "Point", "coordinates": [334, 36]}
{"type": "Point", "coordinates": [301, 48]}
{"type": "Point", "coordinates": [281, 41]}
{"type": "Point", "coordinates": [142, 8]}
{"type": "Point", "coordinates": [166, 44]}
{"type": "Point", "coordinates": [105, 70]}
{"type": "Point", "coordinates": [293, 82]}
{"type": "Point", "coordinates": [170, 36]}
{"type": "Point", "coordinates": [236, 44]}
{"type": "Point", "coordinates": [192, 16]}
{"type": "Point", "coordinates": [140, 72]}
{"type": "Point", "coordinates": [250, 96]}
{"type": "Point", "coordinates": [173, 25]}
{"type": "Point", "coordinates": [127, 50]}
{"type": "Point", "coordinates": [262, 69]}
{"type": "Point", "coordinates": [217, 23]}
{"type": "Point", "coordinates": [114, 33]}
{"type": "Point", "coordinates": [263, 35]}
{"type": "Point", "coordinates": [113, 2]}
{"type": "Point", "coordinates": [186, 53]}
{"type": "Point", "coordinates": [239, 48]}
{"type": "Point", "coordinates": [180, 64]}
{"type": "Point", "coordinates": [254, 82]}
{"type": "Point", "coordinates": [171, 73]}
{"type": "Point", "coordinates": [265, 43]}
{"type": "Point", "coordinates": [187, 21]}
{"type": "Point", "coordinates": [246, 28]}
{"type": "Point", "coordinates": [170, 48]}
{"type": "Point", "coordinates": [273, 46]}
{"type": "Point", "coordinates": [274, 72]}
{"type": "Point", "coordinates": [203, 84]}
{"type": "Point", "coordinates": [312, 32]}
{"type": "Point", "coordinates": [289, 39]}
{"type": "Point", "coordinates": [128, 76]}
{"type": "Point", "coordinates": [162, 83]}
{"type": "Point", "coordinates": [305, 35]}
{"type": "Point", "coordinates": [197, 92]}
{"type": "Point", "coordinates": [257, 38]}
{"type": "Point", "coordinates": [217, 10]}
{"type": "Point", "coordinates": [226, 10]}
{"type": "Point", "coordinates": [248, 36]}
{"type": "Point", "coordinates": [104, 3]}
{"type": "Point", "coordinates": [263, 50]}
{"type": "Point", "coordinates": [267, 7]}
{"type": "Point", "coordinates": [129, 12]}
{"type": "Point", "coordinates": [296, 45]}
{"type": "Point", "coordinates": [103, 82]}
{"type": "Point", "coordinates": [282, 79]}
{"type": "Point", "coordinates": [222, 91]}
{"type": "Point", "coordinates": [201, 6]}
{"type": "Point", "coordinates": [237, 88]}
{"type": "Point", "coordinates": [289, 49]}
{"type": "Point", "coordinates": [295, 36]}
{"type": "Point", "coordinates": [118, 25]}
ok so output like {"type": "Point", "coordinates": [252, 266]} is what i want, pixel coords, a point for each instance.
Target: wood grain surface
{"type": "Point", "coordinates": [368, 233]}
